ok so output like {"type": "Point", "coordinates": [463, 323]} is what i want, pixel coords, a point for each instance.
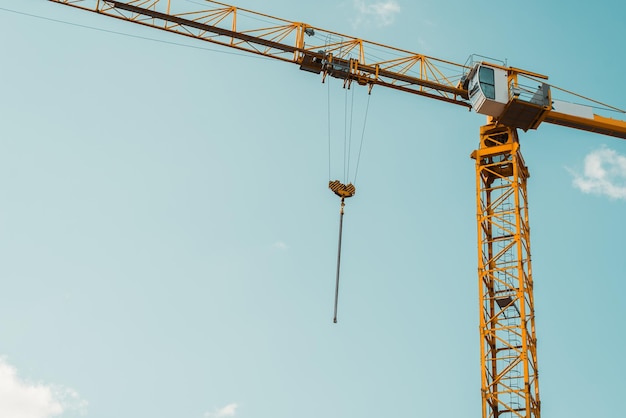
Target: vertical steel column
{"type": "Point", "coordinates": [507, 318]}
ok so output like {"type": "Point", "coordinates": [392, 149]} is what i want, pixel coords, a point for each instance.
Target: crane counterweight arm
{"type": "Point", "coordinates": [596, 124]}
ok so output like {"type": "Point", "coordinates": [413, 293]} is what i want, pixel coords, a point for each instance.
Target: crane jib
{"type": "Point", "coordinates": [509, 107]}
{"type": "Point", "coordinates": [209, 28]}
{"type": "Point", "coordinates": [309, 60]}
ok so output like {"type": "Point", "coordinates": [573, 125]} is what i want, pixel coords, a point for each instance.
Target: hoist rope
{"type": "Point", "coordinates": [346, 156]}
{"type": "Point", "coordinates": [328, 107]}
{"type": "Point", "coordinates": [350, 135]}
{"type": "Point", "coordinates": [358, 159]}
{"type": "Point", "coordinates": [347, 135]}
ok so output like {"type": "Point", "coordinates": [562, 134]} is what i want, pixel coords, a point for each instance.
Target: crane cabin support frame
{"type": "Point", "coordinates": [511, 98]}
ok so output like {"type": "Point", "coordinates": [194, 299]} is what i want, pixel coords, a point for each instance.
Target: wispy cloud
{"type": "Point", "coordinates": [604, 173]}
{"type": "Point", "coordinates": [228, 411]}
{"type": "Point", "coordinates": [380, 13]}
{"type": "Point", "coordinates": [22, 399]}
{"type": "Point", "coordinates": [280, 245]}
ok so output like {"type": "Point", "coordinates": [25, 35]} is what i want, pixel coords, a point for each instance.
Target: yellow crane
{"type": "Point", "coordinates": [511, 98]}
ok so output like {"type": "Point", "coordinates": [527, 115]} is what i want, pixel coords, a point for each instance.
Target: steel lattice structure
{"type": "Point", "coordinates": [507, 319]}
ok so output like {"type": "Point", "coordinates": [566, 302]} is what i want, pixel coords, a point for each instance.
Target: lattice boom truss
{"type": "Point", "coordinates": [507, 321]}
{"type": "Point", "coordinates": [342, 56]}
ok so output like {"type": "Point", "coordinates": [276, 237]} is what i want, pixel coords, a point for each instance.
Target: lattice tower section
{"type": "Point", "coordinates": [507, 318]}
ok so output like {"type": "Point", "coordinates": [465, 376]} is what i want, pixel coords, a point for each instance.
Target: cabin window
{"type": "Point", "coordinates": [487, 82]}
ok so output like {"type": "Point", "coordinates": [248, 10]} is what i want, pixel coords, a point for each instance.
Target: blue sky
{"type": "Point", "coordinates": [168, 241]}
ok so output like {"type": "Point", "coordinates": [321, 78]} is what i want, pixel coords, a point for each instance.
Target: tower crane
{"type": "Point", "coordinates": [511, 98]}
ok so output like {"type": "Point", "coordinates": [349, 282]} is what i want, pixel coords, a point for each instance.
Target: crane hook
{"type": "Point", "coordinates": [343, 191]}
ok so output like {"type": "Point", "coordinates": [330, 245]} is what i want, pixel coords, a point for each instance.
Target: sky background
{"type": "Point", "coordinates": [168, 241]}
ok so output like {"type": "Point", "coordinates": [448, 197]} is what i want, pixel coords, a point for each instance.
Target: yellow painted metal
{"type": "Point", "coordinates": [599, 124]}
{"type": "Point", "coordinates": [342, 190]}
{"type": "Point", "coordinates": [508, 348]}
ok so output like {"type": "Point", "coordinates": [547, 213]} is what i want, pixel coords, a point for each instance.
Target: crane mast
{"type": "Point", "coordinates": [508, 350]}
{"type": "Point", "coordinates": [508, 96]}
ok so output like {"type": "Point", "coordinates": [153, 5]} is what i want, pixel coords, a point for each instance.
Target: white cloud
{"type": "Point", "coordinates": [227, 411]}
{"type": "Point", "coordinates": [382, 13]}
{"type": "Point", "coordinates": [22, 399]}
{"type": "Point", "coordinates": [604, 174]}
{"type": "Point", "coordinates": [279, 245]}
